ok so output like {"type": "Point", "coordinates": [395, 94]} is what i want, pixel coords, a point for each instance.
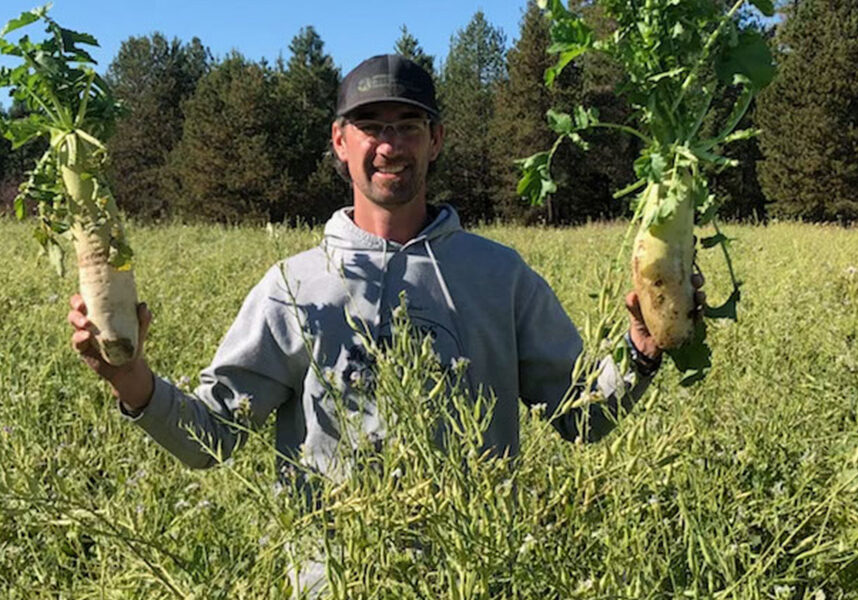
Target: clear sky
{"type": "Point", "coordinates": [351, 30]}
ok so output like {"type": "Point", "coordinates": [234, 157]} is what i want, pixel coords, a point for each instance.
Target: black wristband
{"type": "Point", "coordinates": [644, 365]}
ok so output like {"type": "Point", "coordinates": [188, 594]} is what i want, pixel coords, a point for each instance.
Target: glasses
{"type": "Point", "coordinates": [404, 128]}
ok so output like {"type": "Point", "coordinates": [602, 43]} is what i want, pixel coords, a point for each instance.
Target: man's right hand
{"type": "Point", "coordinates": [133, 382]}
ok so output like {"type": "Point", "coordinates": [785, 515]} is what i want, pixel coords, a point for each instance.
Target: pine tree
{"type": "Point", "coordinates": [408, 46]}
{"type": "Point", "coordinates": [474, 67]}
{"type": "Point", "coordinates": [152, 76]}
{"type": "Point", "coordinates": [809, 115]}
{"type": "Point", "coordinates": [306, 93]}
{"type": "Point", "coordinates": [226, 167]}
{"type": "Point", "coordinates": [518, 127]}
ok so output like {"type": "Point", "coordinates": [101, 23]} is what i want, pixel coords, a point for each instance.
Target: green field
{"type": "Point", "coordinates": [744, 486]}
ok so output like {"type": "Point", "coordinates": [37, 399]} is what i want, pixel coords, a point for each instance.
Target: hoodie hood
{"type": "Point", "coordinates": [342, 233]}
{"type": "Point", "coordinates": [356, 246]}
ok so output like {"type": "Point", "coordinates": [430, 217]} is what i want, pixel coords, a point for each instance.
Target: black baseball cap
{"type": "Point", "coordinates": [387, 78]}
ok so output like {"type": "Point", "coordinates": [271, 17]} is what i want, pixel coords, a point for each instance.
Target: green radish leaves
{"type": "Point", "coordinates": [711, 242]}
{"type": "Point", "coordinates": [747, 62]}
{"type": "Point", "coordinates": [560, 123]}
{"type": "Point", "coordinates": [694, 358]}
{"type": "Point", "coordinates": [72, 107]}
{"type": "Point", "coordinates": [767, 7]}
{"type": "Point", "coordinates": [651, 165]}
{"type": "Point", "coordinates": [571, 38]}
{"type": "Point", "coordinates": [537, 183]}
{"type": "Point", "coordinates": [728, 310]}
{"type": "Point", "coordinates": [25, 19]}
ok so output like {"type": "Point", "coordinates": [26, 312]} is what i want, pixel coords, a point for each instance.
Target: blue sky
{"type": "Point", "coordinates": [351, 31]}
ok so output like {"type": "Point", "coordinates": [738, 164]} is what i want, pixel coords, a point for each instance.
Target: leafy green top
{"type": "Point", "coordinates": [677, 55]}
{"type": "Point", "coordinates": [67, 102]}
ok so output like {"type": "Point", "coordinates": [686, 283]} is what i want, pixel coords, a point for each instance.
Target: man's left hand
{"type": "Point", "coordinates": [638, 331]}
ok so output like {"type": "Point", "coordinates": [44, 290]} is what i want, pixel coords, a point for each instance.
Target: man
{"type": "Point", "coordinates": [478, 300]}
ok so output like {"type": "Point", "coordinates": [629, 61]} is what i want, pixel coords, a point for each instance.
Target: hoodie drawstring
{"type": "Point", "coordinates": [378, 303]}
{"type": "Point", "coordinates": [450, 304]}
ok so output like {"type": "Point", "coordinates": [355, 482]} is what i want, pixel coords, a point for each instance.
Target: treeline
{"type": "Point", "coordinates": [234, 140]}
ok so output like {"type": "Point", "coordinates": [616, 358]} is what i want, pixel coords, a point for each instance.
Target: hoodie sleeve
{"type": "Point", "coordinates": [256, 371]}
{"type": "Point", "coordinates": [548, 346]}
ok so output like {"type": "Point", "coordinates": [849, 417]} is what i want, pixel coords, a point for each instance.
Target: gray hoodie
{"type": "Point", "coordinates": [478, 299]}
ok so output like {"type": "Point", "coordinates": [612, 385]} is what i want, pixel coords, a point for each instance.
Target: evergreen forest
{"type": "Point", "coordinates": [230, 140]}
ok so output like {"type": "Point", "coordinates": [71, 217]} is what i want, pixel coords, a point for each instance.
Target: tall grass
{"type": "Point", "coordinates": [745, 486]}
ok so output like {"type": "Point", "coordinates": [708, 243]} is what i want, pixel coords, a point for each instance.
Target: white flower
{"type": "Point", "coordinates": [138, 475]}
{"type": "Point", "coordinates": [460, 363]}
{"type": "Point", "coordinates": [527, 544]}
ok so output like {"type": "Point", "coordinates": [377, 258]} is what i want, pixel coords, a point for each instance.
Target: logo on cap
{"type": "Point", "coordinates": [383, 80]}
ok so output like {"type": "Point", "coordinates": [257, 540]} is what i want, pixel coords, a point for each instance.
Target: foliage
{"type": "Point", "coordinates": [68, 103]}
{"type": "Point", "coordinates": [808, 116]}
{"type": "Point", "coordinates": [15, 163]}
{"type": "Point", "coordinates": [152, 77]}
{"type": "Point", "coordinates": [309, 86]}
{"type": "Point", "coordinates": [473, 68]}
{"type": "Point", "coordinates": [408, 46]}
{"type": "Point", "coordinates": [255, 140]}
{"type": "Point", "coordinates": [737, 188]}
{"type": "Point", "coordinates": [228, 166]}
{"type": "Point", "coordinates": [744, 487]}
{"type": "Point", "coordinates": [306, 92]}
{"type": "Point", "coordinates": [585, 181]}
{"type": "Point", "coordinates": [518, 121]}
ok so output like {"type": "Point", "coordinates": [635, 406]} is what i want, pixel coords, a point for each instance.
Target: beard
{"type": "Point", "coordinates": [397, 190]}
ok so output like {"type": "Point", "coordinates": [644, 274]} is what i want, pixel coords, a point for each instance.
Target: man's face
{"type": "Point", "coordinates": [387, 167]}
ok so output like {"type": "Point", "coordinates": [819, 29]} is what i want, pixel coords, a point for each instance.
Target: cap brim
{"type": "Point", "coordinates": [398, 99]}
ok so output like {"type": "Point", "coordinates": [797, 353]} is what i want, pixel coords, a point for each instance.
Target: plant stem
{"type": "Point", "coordinates": [704, 55]}
{"type": "Point", "coordinates": [625, 129]}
